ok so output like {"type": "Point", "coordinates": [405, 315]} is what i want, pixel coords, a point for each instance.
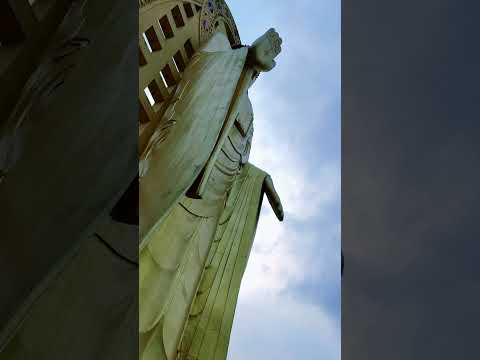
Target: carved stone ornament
{"type": "Point", "coordinates": [214, 11]}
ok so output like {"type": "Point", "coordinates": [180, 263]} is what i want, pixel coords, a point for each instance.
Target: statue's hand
{"type": "Point", "coordinates": [264, 50]}
{"type": "Point", "coordinates": [273, 198]}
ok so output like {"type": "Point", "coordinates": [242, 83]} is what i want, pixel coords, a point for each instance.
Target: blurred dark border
{"type": "Point", "coordinates": [410, 186]}
{"type": "Point", "coordinates": [69, 278]}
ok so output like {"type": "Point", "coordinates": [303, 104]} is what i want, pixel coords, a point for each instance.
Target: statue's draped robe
{"type": "Point", "coordinates": [209, 324]}
{"type": "Point", "coordinates": [194, 251]}
{"type": "Point", "coordinates": [183, 142]}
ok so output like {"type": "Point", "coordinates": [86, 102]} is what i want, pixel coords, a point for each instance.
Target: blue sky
{"type": "Point", "coordinates": [289, 303]}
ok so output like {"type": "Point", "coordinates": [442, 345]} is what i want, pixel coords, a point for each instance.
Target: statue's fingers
{"type": "Point", "coordinates": [268, 66]}
{"type": "Point", "coordinates": [277, 50]}
{"type": "Point", "coordinates": [279, 213]}
{"type": "Point", "coordinates": [279, 209]}
{"type": "Point", "coordinates": [278, 45]}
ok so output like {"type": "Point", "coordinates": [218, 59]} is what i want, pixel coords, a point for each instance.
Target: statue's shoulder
{"type": "Point", "coordinates": [218, 42]}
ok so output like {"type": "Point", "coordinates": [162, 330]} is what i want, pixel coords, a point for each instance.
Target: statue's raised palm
{"type": "Point", "coordinates": [265, 49]}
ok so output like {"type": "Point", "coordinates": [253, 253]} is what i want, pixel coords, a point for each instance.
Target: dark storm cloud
{"type": "Point", "coordinates": [410, 180]}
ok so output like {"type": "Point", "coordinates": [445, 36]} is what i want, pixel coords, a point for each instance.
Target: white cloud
{"type": "Point", "coordinates": [282, 254]}
{"type": "Point", "coordinates": [293, 108]}
{"type": "Point", "coordinates": [272, 265]}
{"type": "Point", "coordinates": [304, 185]}
{"type": "Point", "coordinates": [279, 328]}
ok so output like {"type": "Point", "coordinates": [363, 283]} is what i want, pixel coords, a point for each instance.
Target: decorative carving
{"type": "Point", "coordinates": [214, 11]}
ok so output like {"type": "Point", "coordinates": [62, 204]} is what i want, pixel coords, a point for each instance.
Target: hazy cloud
{"type": "Point", "coordinates": [290, 296]}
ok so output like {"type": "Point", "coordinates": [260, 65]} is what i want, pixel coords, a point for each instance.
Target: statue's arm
{"type": "Point", "coordinates": [261, 58]}
{"type": "Point", "coordinates": [273, 197]}
{"type": "Point", "coordinates": [261, 54]}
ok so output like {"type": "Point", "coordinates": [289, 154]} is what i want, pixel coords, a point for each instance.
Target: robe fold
{"type": "Point", "coordinates": [210, 320]}
{"type": "Point", "coordinates": [182, 143]}
{"type": "Point", "coordinates": [187, 306]}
